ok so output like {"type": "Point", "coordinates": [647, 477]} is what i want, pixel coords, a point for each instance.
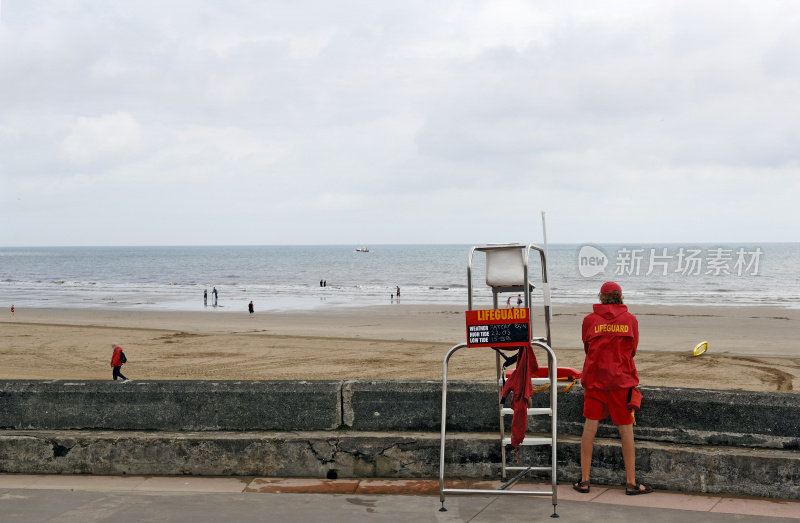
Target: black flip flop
{"type": "Point", "coordinates": [581, 486]}
{"type": "Point", "coordinates": [635, 490]}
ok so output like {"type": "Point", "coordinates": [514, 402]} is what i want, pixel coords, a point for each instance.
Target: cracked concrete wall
{"type": "Point", "coordinates": [758, 472]}
{"type": "Point", "coordinates": [699, 441]}
{"type": "Point", "coordinates": [289, 454]}
{"type": "Point", "coordinates": [416, 405]}
{"type": "Point", "coordinates": [170, 405]}
{"type": "Point", "coordinates": [702, 417]}
{"type": "Point", "coordinates": [690, 416]}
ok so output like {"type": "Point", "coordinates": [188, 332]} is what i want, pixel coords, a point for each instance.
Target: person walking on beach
{"type": "Point", "coordinates": [508, 303]}
{"type": "Point", "coordinates": [251, 308]}
{"type": "Point", "coordinates": [610, 338]}
{"type": "Point", "coordinates": [118, 359]}
{"type": "Point", "coordinates": [519, 300]}
{"type": "Point", "coordinates": [12, 310]}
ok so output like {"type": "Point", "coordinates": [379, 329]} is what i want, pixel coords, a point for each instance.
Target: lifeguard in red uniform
{"type": "Point", "coordinates": [610, 338]}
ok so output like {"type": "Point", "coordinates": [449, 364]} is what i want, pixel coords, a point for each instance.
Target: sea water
{"type": "Point", "coordinates": [288, 277]}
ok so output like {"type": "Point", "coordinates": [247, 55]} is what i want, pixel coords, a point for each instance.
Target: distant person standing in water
{"type": "Point", "coordinates": [251, 308]}
{"type": "Point", "coordinates": [398, 292]}
{"type": "Point", "coordinates": [205, 297]}
{"type": "Point", "coordinates": [118, 359]}
{"type": "Point", "coordinates": [214, 292]}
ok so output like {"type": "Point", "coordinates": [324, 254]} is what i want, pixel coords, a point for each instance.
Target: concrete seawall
{"type": "Point", "coordinates": [170, 405]}
{"type": "Point", "coordinates": [698, 441]}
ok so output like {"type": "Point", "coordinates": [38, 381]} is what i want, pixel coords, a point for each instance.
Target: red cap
{"type": "Point", "coordinates": [609, 287]}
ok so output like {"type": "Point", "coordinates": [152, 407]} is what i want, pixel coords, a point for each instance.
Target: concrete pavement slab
{"type": "Point", "coordinates": [567, 493]}
{"type": "Point", "coordinates": [25, 505]}
{"type": "Point", "coordinates": [74, 482]}
{"type": "Point", "coordinates": [764, 507]}
{"type": "Point", "coordinates": [33, 498]}
{"type": "Point", "coordinates": [657, 499]}
{"type": "Point", "coordinates": [32, 506]}
{"type": "Point", "coordinates": [539, 510]}
{"type": "Point", "coordinates": [302, 485]}
{"type": "Point", "coordinates": [17, 480]}
{"type": "Point", "coordinates": [401, 487]}
{"type": "Point", "coordinates": [192, 484]}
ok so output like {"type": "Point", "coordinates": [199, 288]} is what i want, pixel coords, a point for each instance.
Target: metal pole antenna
{"type": "Point", "coordinates": [546, 285]}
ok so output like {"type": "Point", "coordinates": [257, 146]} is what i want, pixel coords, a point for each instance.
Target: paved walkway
{"type": "Point", "coordinates": [84, 499]}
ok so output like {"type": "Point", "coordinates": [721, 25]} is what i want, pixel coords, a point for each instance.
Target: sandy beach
{"type": "Point", "coordinates": [751, 348]}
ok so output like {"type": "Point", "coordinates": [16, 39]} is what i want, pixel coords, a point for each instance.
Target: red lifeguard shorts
{"type": "Point", "coordinates": [598, 404]}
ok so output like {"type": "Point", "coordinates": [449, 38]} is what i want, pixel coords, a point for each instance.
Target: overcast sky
{"type": "Point", "coordinates": [366, 122]}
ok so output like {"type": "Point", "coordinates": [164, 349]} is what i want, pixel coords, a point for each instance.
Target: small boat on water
{"type": "Point", "coordinates": [362, 249]}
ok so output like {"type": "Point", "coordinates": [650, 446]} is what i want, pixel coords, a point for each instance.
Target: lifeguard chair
{"type": "Point", "coordinates": [507, 271]}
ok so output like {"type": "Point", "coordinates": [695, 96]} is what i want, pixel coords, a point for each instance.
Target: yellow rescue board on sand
{"type": "Point", "coordinates": [700, 348]}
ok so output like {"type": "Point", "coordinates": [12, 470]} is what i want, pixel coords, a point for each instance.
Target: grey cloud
{"type": "Point", "coordinates": [350, 106]}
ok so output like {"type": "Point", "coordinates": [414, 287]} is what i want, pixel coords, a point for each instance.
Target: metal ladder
{"type": "Point", "coordinates": [504, 263]}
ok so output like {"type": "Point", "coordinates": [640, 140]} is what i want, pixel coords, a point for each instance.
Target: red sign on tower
{"type": "Point", "coordinates": [498, 328]}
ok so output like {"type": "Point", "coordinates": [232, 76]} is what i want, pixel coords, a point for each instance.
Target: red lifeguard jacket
{"type": "Point", "coordinates": [610, 338]}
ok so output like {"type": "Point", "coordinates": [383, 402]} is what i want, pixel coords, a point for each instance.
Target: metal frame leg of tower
{"type": "Point", "coordinates": [552, 366]}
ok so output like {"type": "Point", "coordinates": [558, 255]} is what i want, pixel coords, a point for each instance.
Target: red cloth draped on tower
{"type": "Point", "coordinates": [519, 382]}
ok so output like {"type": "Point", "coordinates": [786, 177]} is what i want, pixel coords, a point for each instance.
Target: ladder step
{"type": "Point", "coordinates": [529, 441]}
{"type": "Point", "coordinates": [532, 469]}
{"type": "Point", "coordinates": [531, 412]}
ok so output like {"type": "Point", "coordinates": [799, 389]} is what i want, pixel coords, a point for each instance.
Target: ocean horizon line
{"type": "Point", "coordinates": [410, 244]}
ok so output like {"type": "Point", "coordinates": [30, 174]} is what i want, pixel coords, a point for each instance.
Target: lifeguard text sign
{"type": "Point", "coordinates": [498, 328]}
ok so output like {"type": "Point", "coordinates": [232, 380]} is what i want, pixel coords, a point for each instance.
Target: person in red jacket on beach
{"type": "Point", "coordinates": [118, 359]}
{"type": "Point", "coordinates": [610, 338]}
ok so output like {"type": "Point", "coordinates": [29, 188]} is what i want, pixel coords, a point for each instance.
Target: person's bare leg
{"type": "Point", "coordinates": [587, 445]}
{"type": "Point", "coordinates": [628, 452]}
